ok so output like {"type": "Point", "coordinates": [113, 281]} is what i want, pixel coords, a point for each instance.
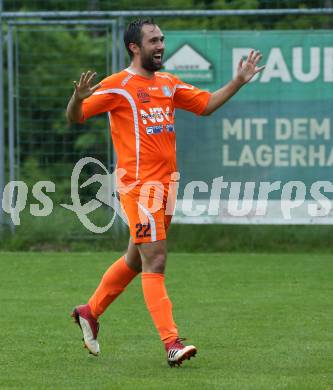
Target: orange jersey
{"type": "Point", "coordinates": [141, 113]}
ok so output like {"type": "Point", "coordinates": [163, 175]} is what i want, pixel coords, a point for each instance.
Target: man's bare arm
{"type": "Point", "coordinates": [245, 71]}
{"type": "Point", "coordinates": [83, 89]}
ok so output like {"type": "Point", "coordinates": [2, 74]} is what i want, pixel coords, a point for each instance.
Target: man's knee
{"type": "Point", "coordinates": [157, 264]}
{"type": "Point", "coordinates": [153, 257]}
{"type": "Point", "coordinates": [133, 258]}
{"type": "Point", "coordinates": [133, 261]}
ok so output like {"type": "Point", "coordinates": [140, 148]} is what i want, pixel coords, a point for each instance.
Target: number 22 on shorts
{"type": "Point", "coordinates": [143, 230]}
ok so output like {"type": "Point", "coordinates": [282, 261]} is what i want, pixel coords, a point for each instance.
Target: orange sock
{"type": "Point", "coordinates": [159, 305]}
{"type": "Point", "coordinates": [113, 283]}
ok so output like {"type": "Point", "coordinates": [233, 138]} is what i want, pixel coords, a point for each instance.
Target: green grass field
{"type": "Point", "coordinates": [259, 322]}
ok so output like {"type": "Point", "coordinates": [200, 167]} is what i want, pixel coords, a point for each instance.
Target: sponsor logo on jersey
{"type": "Point", "coordinates": [143, 96]}
{"type": "Point", "coordinates": [155, 115]}
{"type": "Point", "coordinates": [166, 91]}
{"type": "Point", "coordinates": [169, 127]}
{"type": "Point", "coordinates": [154, 129]}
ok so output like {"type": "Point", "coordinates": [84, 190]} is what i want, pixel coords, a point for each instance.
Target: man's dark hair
{"type": "Point", "coordinates": [133, 33]}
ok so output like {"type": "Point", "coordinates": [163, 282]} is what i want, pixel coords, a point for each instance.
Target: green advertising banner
{"type": "Point", "coordinates": [277, 128]}
{"type": "Point", "coordinates": [299, 64]}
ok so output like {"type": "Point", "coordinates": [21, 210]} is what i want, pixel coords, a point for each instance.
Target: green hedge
{"type": "Point", "coordinates": [63, 231]}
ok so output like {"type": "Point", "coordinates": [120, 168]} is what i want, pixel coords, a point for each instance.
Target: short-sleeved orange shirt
{"type": "Point", "coordinates": [141, 113]}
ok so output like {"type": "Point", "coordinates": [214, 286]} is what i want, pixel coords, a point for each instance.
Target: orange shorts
{"type": "Point", "coordinates": [148, 209]}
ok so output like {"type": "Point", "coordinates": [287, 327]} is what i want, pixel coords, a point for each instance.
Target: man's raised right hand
{"type": "Point", "coordinates": [83, 89]}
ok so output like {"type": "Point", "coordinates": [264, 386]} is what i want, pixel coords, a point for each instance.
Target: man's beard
{"type": "Point", "coordinates": [148, 63]}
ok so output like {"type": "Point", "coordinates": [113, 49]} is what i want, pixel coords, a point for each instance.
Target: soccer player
{"type": "Point", "coordinates": [141, 102]}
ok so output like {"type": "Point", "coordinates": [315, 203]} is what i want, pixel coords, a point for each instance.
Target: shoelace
{"type": "Point", "coordinates": [178, 343]}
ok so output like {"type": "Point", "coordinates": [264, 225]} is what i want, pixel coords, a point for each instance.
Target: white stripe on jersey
{"type": "Point", "coordinates": [131, 101]}
{"type": "Point", "coordinates": [181, 86]}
